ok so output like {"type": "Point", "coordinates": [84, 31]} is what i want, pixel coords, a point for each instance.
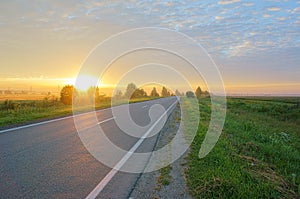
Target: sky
{"type": "Point", "coordinates": [254, 43]}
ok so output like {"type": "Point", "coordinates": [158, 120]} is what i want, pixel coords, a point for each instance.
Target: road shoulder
{"type": "Point", "coordinates": [168, 182]}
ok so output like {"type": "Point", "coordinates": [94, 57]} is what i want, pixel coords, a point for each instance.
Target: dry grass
{"type": "Point", "coordinates": [22, 97]}
{"type": "Point", "coordinates": [265, 171]}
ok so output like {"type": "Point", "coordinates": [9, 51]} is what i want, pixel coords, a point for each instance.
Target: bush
{"type": "Point", "coordinates": [190, 94]}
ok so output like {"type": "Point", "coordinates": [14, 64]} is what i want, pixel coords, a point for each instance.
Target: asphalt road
{"type": "Point", "coordinates": [49, 160]}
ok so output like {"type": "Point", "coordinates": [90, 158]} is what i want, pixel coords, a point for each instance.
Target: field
{"type": "Point", "coordinates": [24, 97]}
{"type": "Point", "coordinates": [257, 155]}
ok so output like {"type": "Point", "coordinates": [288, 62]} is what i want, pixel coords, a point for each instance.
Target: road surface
{"type": "Point", "coordinates": [48, 160]}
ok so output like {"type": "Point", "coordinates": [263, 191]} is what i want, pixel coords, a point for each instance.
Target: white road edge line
{"type": "Point", "coordinates": [97, 190]}
{"type": "Point", "coordinates": [106, 120]}
{"type": "Point", "coordinates": [48, 121]}
{"type": "Point", "coordinates": [103, 121]}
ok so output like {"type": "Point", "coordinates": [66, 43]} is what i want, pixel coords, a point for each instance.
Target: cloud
{"type": "Point", "coordinates": [44, 20]}
{"type": "Point", "coordinates": [89, 11]}
{"type": "Point", "coordinates": [248, 4]}
{"type": "Point", "coordinates": [253, 33]}
{"type": "Point", "coordinates": [225, 2]}
{"type": "Point", "coordinates": [214, 22]}
{"type": "Point", "coordinates": [296, 10]}
{"type": "Point", "coordinates": [219, 17]}
{"type": "Point", "coordinates": [281, 18]}
{"type": "Point", "coordinates": [240, 49]}
{"type": "Point", "coordinates": [274, 9]}
{"type": "Point", "coordinates": [72, 17]}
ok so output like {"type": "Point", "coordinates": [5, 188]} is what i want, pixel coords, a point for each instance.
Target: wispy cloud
{"type": "Point", "coordinates": [238, 49]}
{"type": "Point", "coordinates": [281, 18]}
{"type": "Point", "coordinates": [267, 16]}
{"type": "Point", "coordinates": [248, 4]}
{"type": "Point", "coordinates": [225, 2]}
{"type": "Point", "coordinates": [274, 9]}
{"type": "Point", "coordinates": [296, 10]}
{"type": "Point", "coordinates": [219, 18]}
{"type": "Point", "coordinates": [229, 24]}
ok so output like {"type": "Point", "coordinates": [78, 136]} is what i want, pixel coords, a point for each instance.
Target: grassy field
{"type": "Point", "coordinates": [17, 112]}
{"type": "Point", "coordinates": [257, 155]}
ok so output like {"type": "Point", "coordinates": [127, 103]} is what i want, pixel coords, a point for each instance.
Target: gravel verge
{"type": "Point", "coordinates": [149, 185]}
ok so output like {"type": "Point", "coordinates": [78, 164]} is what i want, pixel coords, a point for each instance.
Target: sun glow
{"type": "Point", "coordinates": [69, 81]}
{"type": "Point", "coordinates": [84, 82]}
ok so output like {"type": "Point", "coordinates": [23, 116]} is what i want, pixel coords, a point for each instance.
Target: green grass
{"type": "Point", "coordinates": [164, 177]}
{"type": "Point", "coordinates": [25, 111]}
{"type": "Point", "coordinates": [257, 155]}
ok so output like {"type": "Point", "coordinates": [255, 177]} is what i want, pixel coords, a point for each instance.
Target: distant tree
{"type": "Point", "coordinates": [165, 92]}
{"type": "Point", "coordinates": [198, 92]}
{"type": "Point", "coordinates": [97, 93]}
{"type": "Point", "coordinates": [177, 93]}
{"type": "Point", "coordinates": [67, 93]}
{"type": "Point", "coordinates": [190, 94]}
{"type": "Point", "coordinates": [154, 93]}
{"type": "Point", "coordinates": [103, 98]}
{"type": "Point", "coordinates": [206, 93]}
{"type": "Point", "coordinates": [144, 93]}
{"type": "Point", "coordinates": [133, 92]}
{"type": "Point", "coordinates": [118, 94]}
{"type": "Point", "coordinates": [131, 87]}
{"type": "Point", "coordinates": [94, 93]}
{"type": "Point", "coordinates": [138, 93]}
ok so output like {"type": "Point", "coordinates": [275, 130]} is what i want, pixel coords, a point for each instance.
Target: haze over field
{"type": "Point", "coordinates": [255, 44]}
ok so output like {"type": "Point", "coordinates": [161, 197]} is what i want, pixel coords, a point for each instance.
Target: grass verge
{"type": "Point", "coordinates": [26, 111]}
{"type": "Point", "coordinates": [257, 155]}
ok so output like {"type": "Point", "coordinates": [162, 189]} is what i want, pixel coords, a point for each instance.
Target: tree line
{"type": "Point", "coordinates": [69, 91]}
{"type": "Point", "coordinates": [198, 93]}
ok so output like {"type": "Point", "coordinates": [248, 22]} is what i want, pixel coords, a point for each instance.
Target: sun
{"type": "Point", "coordinates": [84, 82]}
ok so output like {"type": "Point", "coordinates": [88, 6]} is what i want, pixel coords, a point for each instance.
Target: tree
{"type": "Point", "coordinates": [138, 93]}
{"type": "Point", "coordinates": [154, 93]}
{"type": "Point", "coordinates": [144, 93]}
{"type": "Point", "coordinates": [190, 94]}
{"type": "Point", "coordinates": [67, 93]}
{"type": "Point", "coordinates": [177, 93]}
{"type": "Point", "coordinates": [133, 92]}
{"type": "Point", "coordinates": [165, 92]}
{"type": "Point", "coordinates": [130, 90]}
{"type": "Point", "coordinates": [198, 92]}
{"type": "Point", "coordinates": [93, 91]}
{"type": "Point", "coordinates": [118, 94]}
{"type": "Point", "coordinates": [97, 93]}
